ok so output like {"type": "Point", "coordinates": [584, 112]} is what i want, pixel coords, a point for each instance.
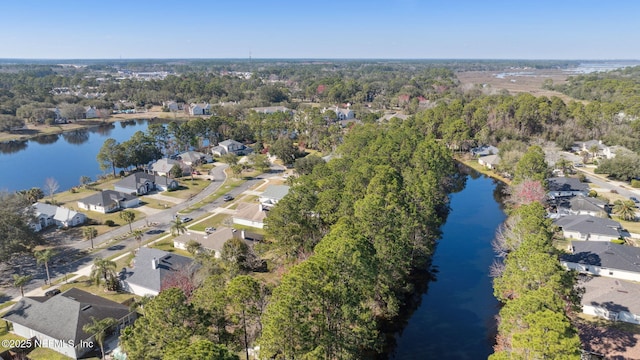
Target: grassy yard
{"type": "Point", "coordinates": [167, 245]}
{"type": "Point", "coordinates": [188, 188]}
{"type": "Point", "coordinates": [4, 335]}
{"type": "Point", "coordinates": [83, 283]}
{"type": "Point", "coordinates": [42, 353]}
{"type": "Point", "coordinates": [155, 203]}
{"type": "Point", "coordinates": [214, 221]}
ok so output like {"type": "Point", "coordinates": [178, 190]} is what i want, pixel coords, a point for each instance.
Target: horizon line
{"type": "Point", "coordinates": [318, 58]}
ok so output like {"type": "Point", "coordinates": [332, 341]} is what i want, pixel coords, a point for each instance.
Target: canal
{"type": "Point", "coordinates": [456, 316]}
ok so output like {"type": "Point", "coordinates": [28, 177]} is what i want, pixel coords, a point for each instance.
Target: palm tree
{"type": "Point", "coordinates": [102, 269]}
{"type": "Point", "coordinates": [625, 209]}
{"type": "Point", "coordinates": [128, 216]}
{"type": "Point", "coordinates": [98, 328]}
{"type": "Point", "coordinates": [21, 281]}
{"type": "Point", "coordinates": [563, 164]}
{"type": "Point", "coordinates": [43, 257]}
{"type": "Point", "coordinates": [178, 227]}
{"type": "Point", "coordinates": [90, 233]}
{"type": "Point", "coordinates": [137, 234]}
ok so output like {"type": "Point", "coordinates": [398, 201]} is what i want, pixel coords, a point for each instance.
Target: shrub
{"type": "Point", "coordinates": [593, 193]}
{"type": "Point", "coordinates": [635, 183]}
{"type": "Point", "coordinates": [618, 241]}
{"type": "Point", "coordinates": [110, 223]}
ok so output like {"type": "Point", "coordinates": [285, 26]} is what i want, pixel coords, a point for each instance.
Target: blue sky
{"type": "Point", "coordinates": [397, 29]}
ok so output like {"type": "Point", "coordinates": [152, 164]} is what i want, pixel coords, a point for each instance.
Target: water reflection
{"type": "Point", "coordinates": [13, 146]}
{"type": "Point", "coordinates": [124, 124]}
{"type": "Point", "coordinates": [104, 129]}
{"type": "Point", "coordinates": [46, 139]}
{"type": "Point", "coordinates": [76, 137]}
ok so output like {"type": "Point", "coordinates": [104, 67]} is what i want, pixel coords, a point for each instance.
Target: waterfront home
{"type": "Point", "coordinates": [108, 201]}
{"type": "Point", "coordinates": [47, 215]}
{"type": "Point", "coordinates": [151, 268]}
{"type": "Point", "coordinates": [56, 322]}
{"type": "Point", "coordinates": [489, 161]}
{"type": "Point", "coordinates": [90, 112]}
{"type": "Point", "coordinates": [163, 166]}
{"type": "Point", "coordinates": [140, 183]}
{"type": "Point", "coordinates": [565, 187]}
{"type": "Point", "coordinates": [612, 299]}
{"type": "Point", "coordinates": [199, 109]}
{"type": "Point", "coordinates": [231, 147]}
{"type": "Point", "coordinates": [588, 228]}
{"type": "Point", "coordinates": [193, 158]}
{"type": "Point", "coordinates": [603, 259]}
{"type": "Point", "coordinates": [484, 150]}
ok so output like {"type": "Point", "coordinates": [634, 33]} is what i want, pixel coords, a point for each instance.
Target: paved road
{"type": "Point", "coordinates": [63, 263]}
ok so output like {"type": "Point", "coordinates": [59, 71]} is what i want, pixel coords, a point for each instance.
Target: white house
{"type": "Point", "coordinates": [588, 228]}
{"type": "Point", "coordinates": [251, 215]}
{"type": "Point", "coordinates": [342, 114]}
{"type": "Point", "coordinates": [230, 147]}
{"type": "Point", "coordinates": [108, 201]}
{"type": "Point", "coordinates": [151, 267]}
{"type": "Point", "coordinates": [163, 166]}
{"type": "Point", "coordinates": [172, 105]}
{"type": "Point", "coordinates": [272, 194]}
{"type": "Point", "coordinates": [56, 322]}
{"type": "Point", "coordinates": [603, 259]}
{"type": "Point", "coordinates": [612, 299]}
{"type": "Point", "coordinates": [200, 109]}
{"type": "Point", "coordinates": [489, 161]}
{"type": "Point", "coordinates": [47, 215]}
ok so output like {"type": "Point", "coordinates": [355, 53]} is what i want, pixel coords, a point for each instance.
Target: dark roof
{"type": "Point", "coordinates": [106, 197]}
{"type": "Point", "coordinates": [587, 224]}
{"type": "Point", "coordinates": [137, 179]}
{"type": "Point", "coordinates": [63, 316]}
{"type": "Point", "coordinates": [144, 275]}
{"type": "Point", "coordinates": [604, 254]}
{"type": "Point", "coordinates": [566, 184]}
{"type": "Point", "coordinates": [583, 203]}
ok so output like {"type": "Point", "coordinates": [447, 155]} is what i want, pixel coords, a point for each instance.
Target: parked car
{"type": "Point", "coordinates": [227, 197]}
{"type": "Point", "coordinates": [209, 230]}
{"type": "Point", "coordinates": [154, 232]}
{"type": "Point", "coordinates": [634, 199]}
{"type": "Point", "coordinates": [52, 292]}
{"type": "Point", "coordinates": [185, 219]}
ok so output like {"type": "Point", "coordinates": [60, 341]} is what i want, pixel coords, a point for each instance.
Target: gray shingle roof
{"type": "Point", "coordinates": [566, 184]}
{"type": "Point", "coordinates": [583, 203]}
{"type": "Point", "coordinates": [144, 275]}
{"type": "Point", "coordinates": [63, 316]}
{"type": "Point", "coordinates": [276, 192]}
{"type": "Point", "coordinates": [137, 179]}
{"type": "Point", "coordinates": [611, 294]}
{"type": "Point", "coordinates": [604, 254]}
{"type": "Point", "coordinates": [106, 197]}
{"type": "Point", "coordinates": [587, 224]}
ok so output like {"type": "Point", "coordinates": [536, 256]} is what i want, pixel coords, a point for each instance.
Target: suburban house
{"type": "Point", "coordinates": [163, 166]}
{"type": "Point", "coordinates": [566, 186]}
{"type": "Point", "coordinates": [200, 109]}
{"type": "Point", "coordinates": [108, 201]}
{"type": "Point", "coordinates": [251, 215]}
{"type": "Point", "coordinates": [214, 241]}
{"type": "Point", "coordinates": [231, 147]}
{"type": "Point", "coordinates": [90, 112]}
{"type": "Point", "coordinates": [484, 150]}
{"type": "Point", "coordinates": [589, 228]}
{"type": "Point", "coordinates": [582, 205]}
{"type": "Point", "coordinates": [489, 161]}
{"type": "Point", "coordinates": [272, 194]}
{"type": "Point", "coordinates": [342, 114]}
{"type": "Point", "coordinates": [193, 158]}
{"type": "Point", "coordinates": [151, 268]}
{"type": "Point", "coordinates": [57, 321]}
{"type": "Point", "coordinates": [602, 150]}
{"type": "Point", "coordinates": [140, 183]}
{"type": "Point", "coordinates": [612, 299]}
{"type": "Point", "coordinates": [611, 151]}
{"type": "Point", "coordinates": [173, 105]}
{"type": "Point", "coordinates": [47, 215]}
{"type": "Point", "coordinates": [604, 259]}
{"type": "Point", "coordinates": [271, 109]}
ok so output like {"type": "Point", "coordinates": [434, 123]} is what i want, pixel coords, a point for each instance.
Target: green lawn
{"type": "Point", "coordinates": [188, 188]}
{"type": "Point", "coordinates": [42, 353]}
{"type": "Point", "coordinates": [214, 221]}
{"type": "Point", "coordinates": [155, 203]}
{"type": "Point", "coordinates": [167, 245]}
{"type": "Point", "coordinates": [7, 336]}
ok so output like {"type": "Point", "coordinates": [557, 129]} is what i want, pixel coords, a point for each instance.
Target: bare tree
{"type": "Point", "coordinates": [51, 185]}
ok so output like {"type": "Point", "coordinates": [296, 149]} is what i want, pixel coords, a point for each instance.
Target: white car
{"type": "Point", "coordinates": [209, 230]}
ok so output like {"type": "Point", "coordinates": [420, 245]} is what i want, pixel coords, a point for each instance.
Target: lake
{"type": "Point", "coordinates": [65, 157]}
{"type": "Point", "coordinates": [456, 316]}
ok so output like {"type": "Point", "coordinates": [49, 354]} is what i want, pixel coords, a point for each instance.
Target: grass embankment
{"type": "Point", "coordinates": [167, 245]}
{"type": "Point", "coordinates": [473, 163]}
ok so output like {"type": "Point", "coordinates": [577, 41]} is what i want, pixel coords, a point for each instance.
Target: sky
{"type": "Point", "coordinates": [335, 29]}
